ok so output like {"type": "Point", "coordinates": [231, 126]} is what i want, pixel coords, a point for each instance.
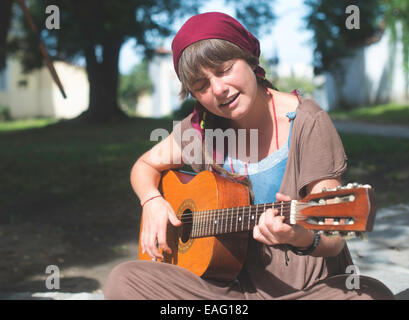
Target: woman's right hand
{"type": "Point", "coordinates": [156, 214]}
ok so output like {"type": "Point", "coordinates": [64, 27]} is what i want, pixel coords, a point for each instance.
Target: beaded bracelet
{"type": "Point", "coordinates": [151, 199]}
{"type": "Point", "coordinates": [310, 249]}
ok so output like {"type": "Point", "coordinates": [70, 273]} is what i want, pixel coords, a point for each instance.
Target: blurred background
{"type": "Point", "coordinates": [65, 196]}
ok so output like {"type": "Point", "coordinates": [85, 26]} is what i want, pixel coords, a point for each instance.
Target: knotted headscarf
{"type": "Point", "coordinates": [214, 25]}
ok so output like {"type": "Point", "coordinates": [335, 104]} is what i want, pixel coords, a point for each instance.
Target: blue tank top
{"type": "Point", "coordinates": [267, 174]}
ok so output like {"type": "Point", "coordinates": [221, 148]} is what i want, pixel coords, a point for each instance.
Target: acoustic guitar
{"type": "Point", "coordinates": [217, 216]}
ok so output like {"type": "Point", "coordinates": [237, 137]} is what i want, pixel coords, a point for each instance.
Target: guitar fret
{"type": "Point", "coordinates": [242, 219]}
{"type": "Point", "coordinates": [225, 215]}
{"type": "Point", "coordinates": [211, 224]}
{"type": "Point", "coordinates": [265, 207]}
{"type": "Point", "coordinates": [237, 217]}
{"type": "Point", "coordinates": [217, 224]}
{"type": "Point", "coordinates": [231, 219]}
{"type": "Point", "coordinates": [201, 224]}
{"type": "Point", "coordinates": [207, 222]}
{"type": "Point", "coordinates": [197, 225]}
{"type": "Point", "coordinates": [193, 225]}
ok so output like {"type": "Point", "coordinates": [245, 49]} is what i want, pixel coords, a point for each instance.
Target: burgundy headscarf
{"type": "Point", "coordinates": [213, 25]}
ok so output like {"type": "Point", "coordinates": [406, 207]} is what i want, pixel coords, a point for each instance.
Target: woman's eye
{"type": "Point", "coordinates": [199, 87]}
{"type": "Point", "coordinates": [227, 69]}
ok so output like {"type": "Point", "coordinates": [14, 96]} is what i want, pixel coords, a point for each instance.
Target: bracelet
{"type": "Point", "coordinates": [151, 199]}
{"type": "Point", "coordinates": [310, 249]}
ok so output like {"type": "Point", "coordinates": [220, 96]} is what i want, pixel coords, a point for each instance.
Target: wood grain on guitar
{"type": "Point", "coordinates": [217, 216]}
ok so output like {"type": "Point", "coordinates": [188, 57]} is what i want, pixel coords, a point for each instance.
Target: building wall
{"type": "Point", "coordinates": [164, 98]}
{"type": "Point", "coordinates": [373, 75]}
{"type": "Point", "coordinates": [75, 82]}
{"type": "Point", "coordinates": [36, 94]}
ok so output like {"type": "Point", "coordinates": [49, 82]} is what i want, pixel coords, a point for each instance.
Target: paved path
{"type": "Point", "coordinates": [372, 129]}
{"type": "Point", "coordinates": [385, 254]}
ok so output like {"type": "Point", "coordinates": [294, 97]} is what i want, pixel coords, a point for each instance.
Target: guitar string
{"type": "Point", "coordinates": [225, 214]}
{"type": "Point", "coordinates": [209, 228]}
{"type": "Point", "coordinates": [199, 214]}
{"type": "Point", "coordinates": [205, 225]}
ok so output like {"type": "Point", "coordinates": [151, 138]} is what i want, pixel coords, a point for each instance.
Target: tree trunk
{"type": "Point", "coordinates": [103, 79]}
{"type": "Point", "coordinates": [5, 18]}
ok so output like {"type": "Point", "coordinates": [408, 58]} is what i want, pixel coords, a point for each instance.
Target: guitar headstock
{"type": "Point", "coordinates": [344, 211]}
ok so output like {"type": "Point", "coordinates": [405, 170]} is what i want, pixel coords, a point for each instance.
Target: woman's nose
{"type": "Point", "coordinates": [219, 88]}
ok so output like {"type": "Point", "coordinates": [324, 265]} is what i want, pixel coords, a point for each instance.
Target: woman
{"type": "Point", "coordinates": [298, 152]}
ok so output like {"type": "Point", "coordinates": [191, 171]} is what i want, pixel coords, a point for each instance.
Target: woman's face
{"type": "Point", "coordinates": [228, 91]}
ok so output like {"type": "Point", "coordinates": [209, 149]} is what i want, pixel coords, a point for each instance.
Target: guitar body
{"type": "Point", "coordinates": [216, 257]}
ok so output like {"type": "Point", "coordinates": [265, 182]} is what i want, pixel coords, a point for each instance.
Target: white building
{"type": "Point", "coordinates": [166, 86]}
{"type": "Point", "coordinates": [373, 75]}
{"type": "Point", "coordinates": [37, 95]}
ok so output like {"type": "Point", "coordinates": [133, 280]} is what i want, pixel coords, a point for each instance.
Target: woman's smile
{"type": "Point", "coordinates": [230, 102]}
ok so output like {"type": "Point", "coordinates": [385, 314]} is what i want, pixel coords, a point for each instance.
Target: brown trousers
{"type": "Point", "coordinates": [140, 280]}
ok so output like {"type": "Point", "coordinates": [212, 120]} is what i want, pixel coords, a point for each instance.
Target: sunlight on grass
{"type": "Point", "coordinates": [25, 124]}
{"type": "Point", "coordinates": [392, 113]}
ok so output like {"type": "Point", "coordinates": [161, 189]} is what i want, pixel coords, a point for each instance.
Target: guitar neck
{"type": "Point", "coordinates": [230, 220]}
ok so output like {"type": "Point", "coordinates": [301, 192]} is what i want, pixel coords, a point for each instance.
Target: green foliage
{"type": "Point", "coordinates": [89, 24]}
{"type": "Point", "coordinates": [4, 113]}
{"type": "Point", "coordinates": [397, 13]}
{"type": "Point", "coordinates": [256, 15]}
{"type": "Point", "coordinates": [97, 29]}
{"type": "Point", "coordinates": [332, 40]}
{"type": "Point", "coordinates": [5, 18]}
{"type": "Point", "coordinates": [132, 85]}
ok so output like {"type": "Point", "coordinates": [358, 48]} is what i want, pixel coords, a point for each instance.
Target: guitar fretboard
{"type": "Point", "coordinates": [230, 220]}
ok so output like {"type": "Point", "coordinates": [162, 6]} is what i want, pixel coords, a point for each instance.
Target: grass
{"type": "Point", "coordinates": [25, 124]}
{"type": "Point", "coordinates": [70, 166]}
{"type": "Point", "coordinates": [391, 113]}
{"type": "Point", "coordinates": [84, 166]}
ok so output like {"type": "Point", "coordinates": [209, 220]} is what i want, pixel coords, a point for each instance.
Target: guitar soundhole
{"type": "Point", "coordinates": [187, 219]}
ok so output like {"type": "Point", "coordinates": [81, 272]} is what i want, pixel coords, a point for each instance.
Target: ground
{"type": "Point", "coordinates": [86, 234]}
{"type": "Point", "coordinates": [85, 248]}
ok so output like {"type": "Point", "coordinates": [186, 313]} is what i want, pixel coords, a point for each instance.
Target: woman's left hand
{"type": "Point", "coordinates": [272, 230]}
